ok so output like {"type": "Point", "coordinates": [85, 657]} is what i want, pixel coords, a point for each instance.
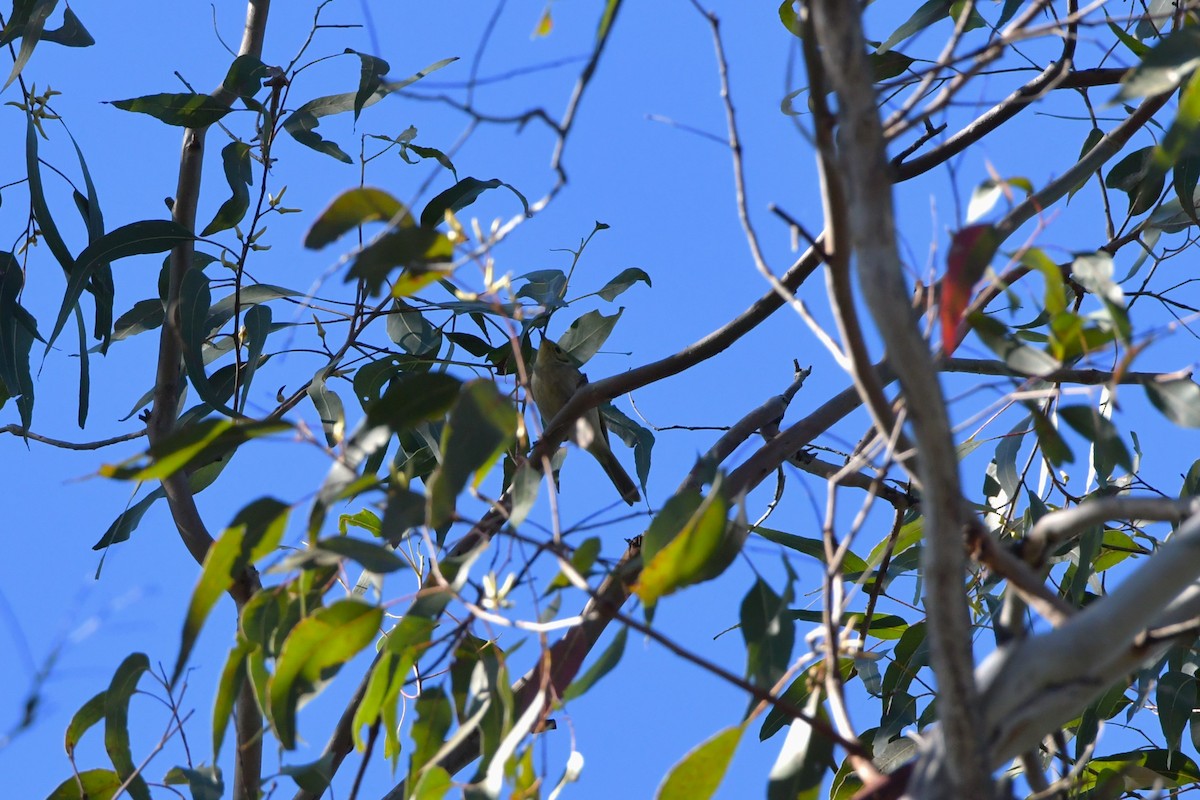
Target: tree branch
{"type": "Point", "coordinates": [867, 178]}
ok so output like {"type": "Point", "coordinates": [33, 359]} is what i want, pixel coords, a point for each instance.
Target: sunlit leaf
{"type": "Point", "coordinates": [316, 648]}
{"type": "Point", "coordinates": [186, 110]}
{"type": "Point", "coordinates": [698, 775]}
{"type": "Point", "coordinates": [116, 723]}
{"type": "Point", "coordinates": [254, 533]}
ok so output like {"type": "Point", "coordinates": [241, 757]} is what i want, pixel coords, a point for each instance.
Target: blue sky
{"type": "Point", "coordinates": [666, 194]}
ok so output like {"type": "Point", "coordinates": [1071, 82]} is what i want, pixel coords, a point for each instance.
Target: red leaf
{"type": "Point", "coordinates": [971, 250]}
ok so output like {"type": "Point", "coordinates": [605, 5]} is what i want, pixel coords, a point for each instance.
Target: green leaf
{"type": "Point", "coordinates": [624, 279]}
{"type": "Point", "coordinates": [315, 649]}
{"type": "Point", "coordinates": [136, 238]}
{"type": "Point", "coordinates": [88, 715]}
{"type": "Point", "coordinates": [302, 122]}
{"type": "Point", "coordinates": [401, 648]}
{"type": "Point", "coordinates": [927, 14]}
{"type": "Point", "coordinates": [16, 379]}
{"type": "Point", "coordinates": [789, 18]}
{"type": "Point", "coordinates": [481, 427]}
{"type": "Point", "coordinates": [1178, 400]}
{"type": "Point", "coordinates": [255, 294]}
{"type": "Point", "coordinates": [146, 315]}
{"type": "Point", "coordinates": [602, 666]}
{"type": "Point", "coordinates": [803, 760]}
{"type": "Point", "coordinates": [698, 775]}
{"type": "Point", "coordinates": [852, 565]}
{"type": "Point", "coordinates": [31, 34]}
{"type": "Point", "coordinates": [1140, 177]}
{"type": "Point", "coordinates": [184, 110]}
{"type": "Point", "coordinates": [1164, 67]}
{"type": "Point", "coordinates": [351, 209]}
{"type": "Point", "coordinates": [683, 543]}
{"type": "Point", "coordinates": [1089, 423]}
{"type": "Point", "coordinates": [586, 335]}
{"type": "Point", "coordinates": [245, 76]}
{"type": "Point", "coordinates": [329, 407]}
{"type": "Point", "coordinates": [116, 722]}
{"type": "Point", "coordinates": [546, 287]}
{"type": "Point", "coordinates": [408, 328]}
{"type": "Point", "coordinates": [191, 447]}
{"type": "Point", "coordinates": [433, 784]}
{"type": "Point", "coordinates": [425, 254]}
{"type": "Point", "coordinates": [1176, 697]}
{"type": "Point", "coordinates": [1139, 769]}
{"type": "Point", "coordinates": [370, 79]}
{"type": "Point", "coordinates": [525, 486]}
{"type": "Point", "coordinates": [1020, 357]}
{"type": "Point", "coordinates": [203, 782]}
{"type": "Point", "coordinates": [91, 784]}
{"type": "Point", "coordinates": [127, 521]}
{"type": "Point", "coordinates": [768, 633]}
{"type": "Point", "coordinates": [70, 34]}
{"type": "Point", "coordinates": [429, 731]}
{"type": "Point", "coordinates": [461, 195]}
{"type": "Point", "coordinates": [634, 435]}
{"type": "Point", "coordinates": [414, 398]}
{"type": "Point", "coordinates": [257, 323]}
{"type": "Point", "coordinates": [230, 684]}
{"type": "Point", "coordinates": [371, 556]}
{"type": "Point", "coordinates": [254, 534]}
{"type": "Point", "coordinates": [235, 157]}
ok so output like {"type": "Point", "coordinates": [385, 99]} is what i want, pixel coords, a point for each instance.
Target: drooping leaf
{"type": "Point", "coordinates": [136, 238]}
{"type": "Point", "coordinates": [1140, 177]}
{"type": "Point", "coordinates": [88, 715]}
{"type": "Point", "coordinates": [401, 648]}
{"type": "Point", "coordinates": [254, 533]}
{"type": "Point", "coordinates": [1019, 356]}
{"type": "Point", "coordinates": [16, 379]}
{"type": "Point", "coordinates": [235, 157]}
{"type": "Point", "coordinates": [429, 731]}
{"type": "Point", "coordinates": [39, 11]}
{"type": "Point", "coordinates": [482, 426]}
{"type": "Point", "coordinates": [316, 648]}
{"type": "Point", "coordinates": [146, 315]}
{"type": "Point", "coordinates": [116, 723]}
{"type": "Point", "coordinates": [691, 541]}
{"type": "Point", "coordinates": [232, 675]}
{"type": "Point", "coordinates": [194, 303]}
{"type": "Point", "coordinates": [330, 410]}
{"type": "Point", "coordinates": [601, 667]}
{"type": "Point", "coordinates": [767, 633]}
{"type": "Point", "coordinates": [971, 251]}
{"type": "Point", "coordinates": [371, 78]}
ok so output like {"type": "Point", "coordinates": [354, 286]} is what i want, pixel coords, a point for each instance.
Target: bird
{"type": "Point", "coordinates": [554, 381]}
